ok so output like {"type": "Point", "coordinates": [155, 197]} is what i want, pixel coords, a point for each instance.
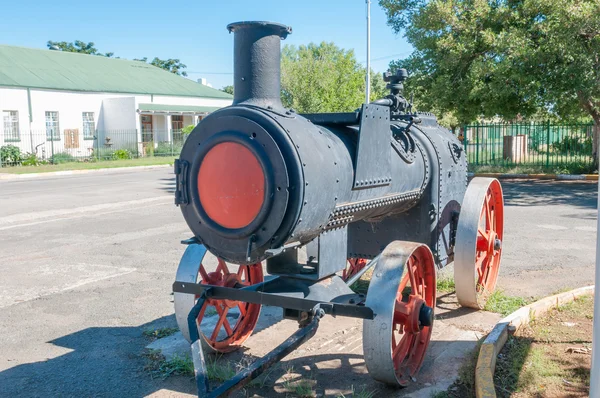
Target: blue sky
{"type": "Point", "coordinates": [195, 31]}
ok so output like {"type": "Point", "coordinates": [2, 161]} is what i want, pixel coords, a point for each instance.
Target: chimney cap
{"type": "Point", "coordinates": [280, 29]}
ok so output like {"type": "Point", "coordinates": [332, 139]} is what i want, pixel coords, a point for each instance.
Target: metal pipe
{"type": "Point", "coordinates": [360, 273]}
{"type": "Point", "coordinates": [257, 62]}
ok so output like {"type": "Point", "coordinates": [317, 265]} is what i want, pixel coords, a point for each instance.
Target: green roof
{"type": "Point", "coordinates": [58, 70]}
{"type": "Point", "coordinates": [176, 108]}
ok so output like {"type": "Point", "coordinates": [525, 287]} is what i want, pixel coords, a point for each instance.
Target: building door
{"type": "Point", "coordinates": [146, 128]}
{"type": "Point", "coordinates": [72, 138]}
{"type": "Point", "coordinates": [176, 122]}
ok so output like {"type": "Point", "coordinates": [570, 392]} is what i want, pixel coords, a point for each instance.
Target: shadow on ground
{"type": "Point", "coordinates": [104, 362]}
{"type": "Point", "coordinates": [168, 184]}
{"type": "Point", "coordinates": [581, 194]}
{"type": "Point", "coordinates": [110, 361]}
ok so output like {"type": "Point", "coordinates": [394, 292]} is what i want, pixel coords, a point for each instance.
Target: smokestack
{"type": "Point", "coordinates": [257, 62]}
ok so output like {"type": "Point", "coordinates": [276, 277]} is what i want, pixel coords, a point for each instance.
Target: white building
{"type": "Point", "coordinates": [53, 102]}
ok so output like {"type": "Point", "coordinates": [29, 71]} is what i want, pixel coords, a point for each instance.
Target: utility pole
{"type": "Point", "coordinates": [368, 93]}
{"type": "Point", "coordinates": [595, 376]}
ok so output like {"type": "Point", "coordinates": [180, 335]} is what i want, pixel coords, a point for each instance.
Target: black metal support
{"type": "Point", "coordinates": [197, 353]}
{"type": "Point", "coordinates": [259, 366]}
{"type": "Point", "coordinates": [281, 298]}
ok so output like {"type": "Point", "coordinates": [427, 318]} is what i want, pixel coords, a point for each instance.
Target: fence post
{"type": "Point", "coordinates": [97, 143]}
{"type": "Point", "coordinates": [171, 139]}
{"type": "Point", "coordinates": [547, 143]}
{"type": "Point", "coordinates": [477, 144]}
{"type": "Point", "coordinates": [52, 145]}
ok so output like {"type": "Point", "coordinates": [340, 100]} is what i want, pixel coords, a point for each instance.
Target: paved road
{"type": "Point", "coordinates": [87, 264]}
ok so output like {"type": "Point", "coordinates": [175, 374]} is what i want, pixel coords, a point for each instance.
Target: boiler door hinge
{"type": "Point", "coordinates": [181, 196]}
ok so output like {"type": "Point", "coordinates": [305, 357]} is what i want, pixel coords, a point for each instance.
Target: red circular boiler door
{"type": "Point", "coordinates": [231, 185]}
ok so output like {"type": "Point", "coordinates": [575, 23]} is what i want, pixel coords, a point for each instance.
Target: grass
{"type": "Point", "coordinates": [501, 303]}
{"type": "Point", "coordinates": [569, 168]}
{"type": "Point", "coordinates": [536, 362]}
{"type": "Point", "coordinates": [108, 164]}
{"type": "Point", "coordinates": [301, 387]}
{"type": "Point", "coordinates": [160, 333]}
{"type": "Point", "coordinates": [445, 284]}
{"type": "Point", "coordinates": [159, 367]}
{"type": "Point", "coordinates": [363, 393]}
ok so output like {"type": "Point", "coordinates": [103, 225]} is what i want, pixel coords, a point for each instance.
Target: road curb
{"type": "Point", "coordinates": [589, 177]}
{"type": "Point", "coordinates": [4, 177]}
{"type": "Point", "coordinates": [492, 345]}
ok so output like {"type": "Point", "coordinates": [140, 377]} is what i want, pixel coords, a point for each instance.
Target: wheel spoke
{"type": "Point", "coordinates": [223, 266]}
{"type": "Point", "coordinates": [203, 273]}
{"type": "Point", "coordinates": [242, 307]}
{"type": "Point", "coordinates": [403, 283]}
{"type": "Point", "coordinates": [222, 314]}
{"type": "Point", "coordinates": [402, 350]}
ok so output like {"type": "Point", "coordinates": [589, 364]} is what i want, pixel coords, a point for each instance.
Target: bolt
{"type": "Point", "coordinates": [497, 244]}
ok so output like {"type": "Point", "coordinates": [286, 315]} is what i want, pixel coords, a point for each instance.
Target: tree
{"type": "Point", "coordinates": [172, 65]}
{"type": "Point", "coordinates": [507, 58]}
{"type": "Point", "coordinates": [324, 78]}
{"type": "Point", "coordinates": [76, 47]}
{"type": "Point", "coordinates": [228, 89]}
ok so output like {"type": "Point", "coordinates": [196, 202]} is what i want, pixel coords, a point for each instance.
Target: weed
{"type": "Point", "coordinates": [300, 387]}
{"type": "Point", "coordinates": [160, 333]}
{"type": "Point", "coordinates": [159, 367]}
{"type": "Point", "coordinates": [62, 157]}
{"type": "Point", "coordinates": [503, 304]}
{"type": "Point", "coordinates": [121, 154]}
{"type": "Point", "coordinates": [363, 393]}
{"type": "Point", "coordinates": [445, 284]}
{"type": "Point", "coordinates": [218, 370]}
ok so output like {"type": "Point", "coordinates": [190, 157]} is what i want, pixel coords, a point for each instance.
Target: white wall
{"type": "Point", "coordinates": [70, 107]}
{"type": "Point", "coordinates": [118, 121]}
{"type": "Point", "coordinates": [168, 100]}
{"type": "Point", "coordinates": [112, 112]}
{"type": "Point", "coordinates": [15, 99]}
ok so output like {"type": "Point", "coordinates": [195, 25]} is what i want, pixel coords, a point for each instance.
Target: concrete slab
{"type": "Point", "coordinates": [335, 353]}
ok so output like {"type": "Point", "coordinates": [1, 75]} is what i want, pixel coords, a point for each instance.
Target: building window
{"type": "Point", "coordinates": [89, 128]}
{"type": "Point", "coordinates": [11, 126]}
{"type": "Point", "coordinates": [52, 128]}
{"type": "Point", "coordinates": [176, 122]}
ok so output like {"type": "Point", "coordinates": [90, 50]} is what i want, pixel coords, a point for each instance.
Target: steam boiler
{"type": "Point", "coordinates": [316, 200]}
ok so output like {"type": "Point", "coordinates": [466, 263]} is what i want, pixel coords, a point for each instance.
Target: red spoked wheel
{"type": "Point", "coordinates": [479, 238]}
{"type": "Point", "coordinates": [396, 341]}
{"type": "Point", "coordinates": [354, 265]}
{"type": "Point", "coordinates": [223, 324]}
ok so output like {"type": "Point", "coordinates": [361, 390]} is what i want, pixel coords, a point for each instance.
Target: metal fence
{"type": "Point", "coordinates": [31, 148]}
{"type": "Point", "coordinates": [542, 144]}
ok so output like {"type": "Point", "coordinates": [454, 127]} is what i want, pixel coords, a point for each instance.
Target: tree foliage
{"type": "Point", "coordinates": [228, 89]}
{"type": "Point", "coordinates": [172, 65]}
{"type": "Point", "coordinates": [77, 46]}
{"type": "Point", "coordinates": [324, 78]}
{"type": "Point", "coordinates": [502, 58]}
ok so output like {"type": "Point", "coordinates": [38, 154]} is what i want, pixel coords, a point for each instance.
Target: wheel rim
{"type": "Point", "coordinates": [402, 294]}
{"type": "Point", "coordinates": [489, 239]}
{"type": "Point", "coordinates": [409, 340]}
{"type": "Point", "coordinates": [479, 240]}
{"type": "Point", "coordinates": [353, 267]}
{"type": "Point", "coordinates": [228, 323]}
{"type": "Point", "coordinates": [227, 336]}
